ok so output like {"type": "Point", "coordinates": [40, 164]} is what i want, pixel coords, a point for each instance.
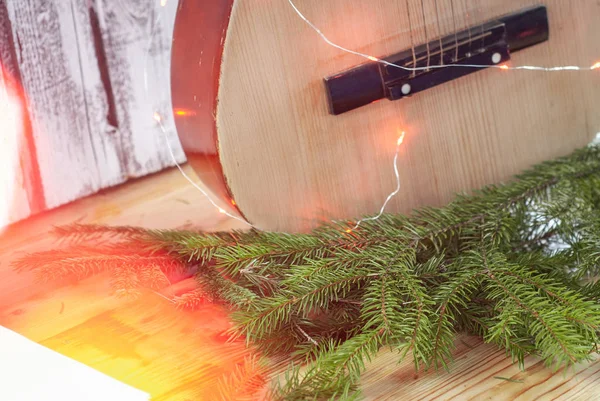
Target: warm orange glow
{"type": "Point", "coordinates": [373, 58]}
{"type": "Point", "coordinates": [11, 133]}
{"type": "Point", "coordinates": [596, 66]}
{"type": "Point", "coordinates": [401, 137]}
{"type": "Point", "coordinates": [504, 67]}
{"type": "Point", "coordinates": [348, 231]}
{"type": "Point", "coordinates": [184, 112]}
{"type": "Point", "coordinates": [233, 202]}
{"type": "Point", "coordinates": [193, 340]}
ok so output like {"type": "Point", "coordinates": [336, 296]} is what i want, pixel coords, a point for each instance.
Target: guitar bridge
{"type": "Point", "coordinates": [425, 66]}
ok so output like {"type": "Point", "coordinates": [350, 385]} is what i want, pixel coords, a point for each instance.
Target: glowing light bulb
{"type": "Point", "coordinates": [157, 117]}
{"type": "Point", "coordinates": [349, 231]}
{"type": "Point", "coordinates": [401, 138]}
{"type": "Point", "coordinates": [221, 210]}
{"type": "Point", "coordinates": [504, 67]}
{"type": "Point", "coordinates": [373, 58]}
{"type": "Point", "coordinates": [596, 66]}
{"type": "Point", "coordinates": [184, 112]}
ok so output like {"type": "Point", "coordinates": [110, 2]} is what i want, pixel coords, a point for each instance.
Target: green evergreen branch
{"type": "Point", "coordinates": [268, 314]}
{"type": "Point", "coordinates": [547, 321]}
{"type": "Point", "coordinates": [568, 299]}
{"type": "Point", "coordinates": [420, 334]}
{"type": "Point", "coordinates": [516, 264]}
{"type": "Point", "coordinates": [452, 295]}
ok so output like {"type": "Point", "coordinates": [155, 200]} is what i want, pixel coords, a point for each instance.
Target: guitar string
{"type": "Point", "coordinates": [482, 35]}
{"type": "Point", "coordinates": [476, 10]}
{"type": "Point", "coordinates": [472, 4]}
{"type": "Point", "coordinates": [472, 15]}
{"type": "Point", "coordinates": [414, 69]}
{"type": "Point", "coordinates": [468, 22]}
{"type": "Point", "coordinates": [412, 42]}
{"type": "Point", "coordinates": [455, 32]}
{"type": "Point", "coordinates": [437, 13]}
{"type": "Point", "coordinates": [426, 33]}
{"type": "Point", "coordinates": [160, 120]}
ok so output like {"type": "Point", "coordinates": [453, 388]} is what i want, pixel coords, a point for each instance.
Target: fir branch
{"type": "Point", "coordinates": [125, 281]}
{"type": "Point", "coordinates": [553, 337]}
{"type": "Point", "coordinates": [450, 297]}
{"type": "Point", "coordinates": [245, 381]}
{"type": "Point", "coordinates": [268, 314]}
{"type": "Point", "coordinates": [224, 290]}
{"type": "Point", "coordinates": [93, 232]}
{"type": "Point", "coordinates": [153, 277]}
{"type": "Point", "coordinates": [78, 262]}
{"type": "Point", "coordinates": [192, 300]}
{"type": "Point", "coordinates": [516, 264]}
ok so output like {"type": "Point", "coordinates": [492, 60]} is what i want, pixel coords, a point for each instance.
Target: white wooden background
{"type": "Point", "coordinates": [93, 73]}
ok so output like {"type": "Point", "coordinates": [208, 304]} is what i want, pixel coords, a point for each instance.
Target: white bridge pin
{"type": "Point", "coordinates": [406, 89]}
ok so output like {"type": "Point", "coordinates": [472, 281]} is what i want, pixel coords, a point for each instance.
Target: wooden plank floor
{"type": "Point", "coordinates": [177, 355]}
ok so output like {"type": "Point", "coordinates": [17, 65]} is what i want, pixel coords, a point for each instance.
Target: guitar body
{"type": "Point", "coordinates": [249, 93]}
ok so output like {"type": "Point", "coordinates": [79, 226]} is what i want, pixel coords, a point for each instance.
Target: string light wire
{"type": "Point", "coordinates": [414, 69]}
{"type": "Point", "coordinates": [596, 66]}
{"type": "Point", "coordinates": [158, 118]}
{"type": "Point", "coordinates": [394, 193]}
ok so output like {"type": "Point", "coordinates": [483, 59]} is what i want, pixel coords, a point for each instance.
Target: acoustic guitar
{"type": "Point", "coordinates": [300, 132]}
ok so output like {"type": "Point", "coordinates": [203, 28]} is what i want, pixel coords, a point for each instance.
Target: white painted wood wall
{"type": "Point", "coordinates": [93, 73]}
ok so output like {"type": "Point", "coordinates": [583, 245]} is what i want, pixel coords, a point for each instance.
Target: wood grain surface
{"type": "Point", "coordinates": [93, 75]}
{"type": "Point", "coordinates": [182, 356]}
{"type": "Point", "coordinates": [291, 165]}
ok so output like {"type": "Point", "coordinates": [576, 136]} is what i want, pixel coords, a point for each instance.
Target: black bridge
{"type": "Point", "coordinates": [488, 44]}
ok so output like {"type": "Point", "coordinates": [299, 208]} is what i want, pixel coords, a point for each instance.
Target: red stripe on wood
{"type": "Point", "coordinates": [28, 154]}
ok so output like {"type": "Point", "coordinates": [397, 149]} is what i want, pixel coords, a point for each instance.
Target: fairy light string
{"type": "Point", "coordinates": [159, 119]}
{"type": "Point", "coordinates": [430, 67]}
{"type": "Point", "coordinates": [391, 195]}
